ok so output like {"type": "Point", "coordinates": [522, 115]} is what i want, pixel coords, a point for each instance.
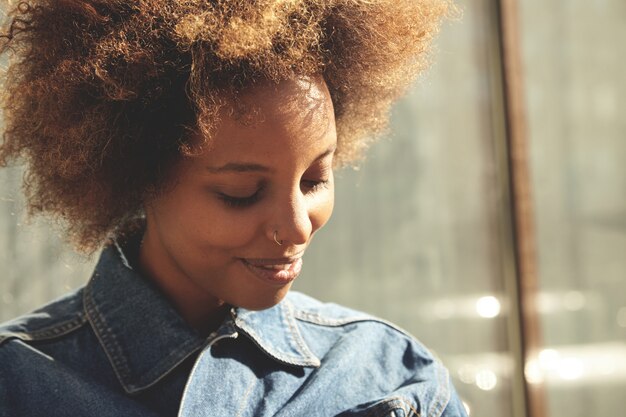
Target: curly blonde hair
{"type": "Point", "coordinates": [100, 96]}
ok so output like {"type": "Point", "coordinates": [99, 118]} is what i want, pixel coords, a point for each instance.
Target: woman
{"type": "Point", "coordinates": [195, 142]}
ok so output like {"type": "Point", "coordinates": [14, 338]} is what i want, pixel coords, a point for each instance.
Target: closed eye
{"type": "Point", "coordinates": [239, 202]}
{"type": "Point", "coordinates": [312, 186]}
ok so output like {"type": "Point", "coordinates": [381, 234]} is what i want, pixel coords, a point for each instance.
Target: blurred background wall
{"type": "Point", "coordinates": [423, 233]}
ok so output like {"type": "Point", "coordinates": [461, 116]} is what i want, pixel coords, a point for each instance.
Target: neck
{"type": "Point", "coordinates": [199, 309]}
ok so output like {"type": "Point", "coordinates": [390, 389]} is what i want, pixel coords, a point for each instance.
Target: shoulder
{"type": "Point", "coordinates": [374, 352]}
{"type": "Point", "coordinates": [32, 349]}
{"type": "Point", "coordinates": [325, 325]}
{"type": "Point", "coordinates": [51, 321]}
{"type": "Point", "coordinates": [309, 310]}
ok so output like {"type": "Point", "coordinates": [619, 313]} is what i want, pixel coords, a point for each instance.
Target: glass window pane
{"type": "Point", "coordinates": [417, 233]}
{"type": "Point", "coordinates": [576, 96]}
{"type": "Point", "coordinates": [35, 267]}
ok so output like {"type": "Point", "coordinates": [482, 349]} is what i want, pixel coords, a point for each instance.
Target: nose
{"type": "Point", "coordinates": [291, 220]}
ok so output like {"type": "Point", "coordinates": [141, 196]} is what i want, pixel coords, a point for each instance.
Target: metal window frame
{"type": "Point", "coordinates": [524, 326]}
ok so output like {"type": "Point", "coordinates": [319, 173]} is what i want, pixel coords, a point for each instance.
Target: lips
{"type": "Point", "coordinates": [274, 271]}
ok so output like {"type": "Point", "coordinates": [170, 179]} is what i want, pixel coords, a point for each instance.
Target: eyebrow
{"type": "Point", "coordinates": [251, 167]}
{"type": "Point", "coordinates": [239, 167]}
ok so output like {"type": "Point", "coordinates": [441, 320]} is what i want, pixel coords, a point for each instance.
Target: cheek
{"type": "Point", "coordinates": [230, 230]}
{"type": "Point", "coordinates": [202, 223]}
{"type": "Point", "coordinates": [323, 209]}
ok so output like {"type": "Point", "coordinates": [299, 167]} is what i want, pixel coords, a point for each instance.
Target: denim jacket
{"type": "Point", "coordinates": [116, 347]}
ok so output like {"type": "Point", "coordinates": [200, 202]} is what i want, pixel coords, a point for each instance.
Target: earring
{"type": "Point", "coordinates": [278, 242]}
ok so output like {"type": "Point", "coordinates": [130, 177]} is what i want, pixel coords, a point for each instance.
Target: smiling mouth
{"type": "Point", "coordinates": [274, 271]}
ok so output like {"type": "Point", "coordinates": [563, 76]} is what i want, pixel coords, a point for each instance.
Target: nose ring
{"type": "Point", "coordinates": [278, 242]}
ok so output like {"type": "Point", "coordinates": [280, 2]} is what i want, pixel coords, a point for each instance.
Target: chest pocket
{"type": "Point", "coordinates": [389, 407]}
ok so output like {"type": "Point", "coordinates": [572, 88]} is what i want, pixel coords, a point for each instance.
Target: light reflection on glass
{"type": "Point", "coordinates": [533, 373]}
{"type": "Point", "coordinates": [571, 368]}
{"type": "Point", "coordinates": [549, 359]}
{"type": "Point", "coordinates": [469, 306]}
{"type": "Point", "coordinates": [581, 364]}
{"type": "Point", "coordinates": [488, 307]}
{"type": "Point", "coordinates": [485, 371]}
{"type": "Point", "coordinates": [486, 380]}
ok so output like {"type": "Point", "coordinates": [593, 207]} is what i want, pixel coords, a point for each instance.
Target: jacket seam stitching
{"type": "Point", "coordinates": [318, 319]}
{"type": "Point", "coordinates": [159, 371]}
{"type": "Point", "coordinates": [245, 398]}
{"type": "Point", "coordinates": [303, 349]}
{"type": "Point", "coordinates": [58, 330]}
{"type": "Point", "coordinates": [47, 333]}
{"type": "Point", "coordinates": [108, 340]}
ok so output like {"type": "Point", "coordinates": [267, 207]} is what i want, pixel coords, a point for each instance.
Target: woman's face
{"type": "Point", "coordinates": [211, 235]}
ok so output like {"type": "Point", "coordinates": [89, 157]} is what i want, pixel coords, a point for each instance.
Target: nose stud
{"type": "Point", "coordinates": [278, 242]}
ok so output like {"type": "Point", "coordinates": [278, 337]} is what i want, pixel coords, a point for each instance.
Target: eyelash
{"type": "Point", "coordinates": [242, 202]}
{"type": "Point", "coordinates": [316, 185]}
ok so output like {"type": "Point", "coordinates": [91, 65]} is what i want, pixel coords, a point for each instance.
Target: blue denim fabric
{"type": "Point", "coordinates": [117, 348]}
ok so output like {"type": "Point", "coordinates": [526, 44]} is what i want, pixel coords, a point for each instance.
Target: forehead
{"type": "Point", "coordinates": [293, 115]}
{"type": "Point", "coordinates": [296, 103]}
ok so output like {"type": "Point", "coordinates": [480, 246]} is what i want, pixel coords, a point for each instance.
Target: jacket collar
{"type": "Point", "coordinates": [145, 338]}
{"type": "Point", "coordinates": [276, 332]}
